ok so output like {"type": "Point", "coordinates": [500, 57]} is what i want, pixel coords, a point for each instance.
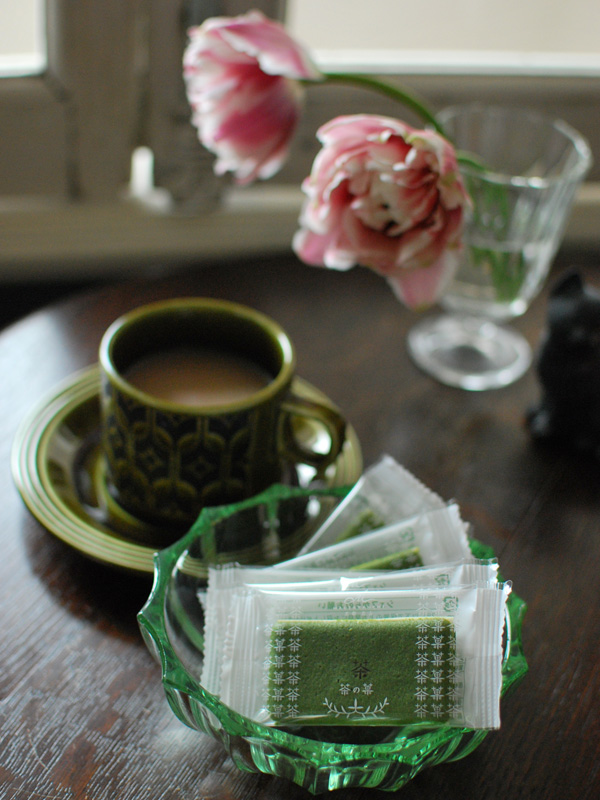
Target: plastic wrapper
{"type": "Point", "coordinates": [377, 657]}
{"type": "Point", "coordinates": [432, 537]}
{"type": "Point", "coordinates": [385, 493]}
{"type": "Point", "coordinates": [223, 581]}
{"type": "Point", "coordinates": [217, 604]}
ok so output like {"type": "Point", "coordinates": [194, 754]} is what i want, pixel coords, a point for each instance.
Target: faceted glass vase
{"type": "Point", "coordinates": [525, 173]}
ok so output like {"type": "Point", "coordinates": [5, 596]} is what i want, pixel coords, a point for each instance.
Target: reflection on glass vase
{"type": "Point", "coordinates": [521, 198]}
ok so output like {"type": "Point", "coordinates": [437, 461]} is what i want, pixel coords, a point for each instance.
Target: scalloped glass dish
{"type": "Point", "coordinates": [318, 758]}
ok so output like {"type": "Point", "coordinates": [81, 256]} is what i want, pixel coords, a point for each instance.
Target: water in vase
{"type": "Point", "coordinates": [498, 281]}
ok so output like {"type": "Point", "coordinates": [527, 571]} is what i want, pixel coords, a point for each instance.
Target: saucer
{"type": "Point", "coordinates": [58, 470]}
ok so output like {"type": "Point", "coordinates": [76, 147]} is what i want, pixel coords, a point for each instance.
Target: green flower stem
{"type": "Point", "coordinates": [409, 100]}
{"type": "Point", "coordinates": [387, 89]}
{"type": "Point", "coordinates": [470, 160]}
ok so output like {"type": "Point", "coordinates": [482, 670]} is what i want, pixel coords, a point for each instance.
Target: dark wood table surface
{"type": "Point", "coordinates": [83, 712]}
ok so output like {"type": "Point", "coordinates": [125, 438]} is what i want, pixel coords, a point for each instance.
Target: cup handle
{"type": "Point", "coordinates": [329, 417]}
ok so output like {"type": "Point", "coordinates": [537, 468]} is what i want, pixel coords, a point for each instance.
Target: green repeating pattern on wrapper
{"type": "Point", "coordinates": [334, 671]}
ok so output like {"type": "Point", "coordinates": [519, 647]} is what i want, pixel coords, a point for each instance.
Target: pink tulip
{"type": "Point", "coordinates": [242, 79]}
{"type": "Point", "coordinates": [388, 197]}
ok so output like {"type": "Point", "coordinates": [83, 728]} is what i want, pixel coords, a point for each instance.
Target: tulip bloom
{"type": "Point", "coordinates": [388, 197]}
{"type": "Point", "coordinates": [242, 80]}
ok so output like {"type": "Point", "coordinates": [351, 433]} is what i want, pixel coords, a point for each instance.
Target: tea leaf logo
{"type": "Point", "coordinates": [450, 603]}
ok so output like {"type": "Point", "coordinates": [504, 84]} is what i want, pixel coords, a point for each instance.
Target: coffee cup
{"type": "Point", "coordinates": [198, 409]}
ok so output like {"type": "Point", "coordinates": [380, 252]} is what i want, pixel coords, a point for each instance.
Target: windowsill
{"type": "Point", "coordinates": [454, 62]}
{"type": "Point", "coordinates": [73, 242]}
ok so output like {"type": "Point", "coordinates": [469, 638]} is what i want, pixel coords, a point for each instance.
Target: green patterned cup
{"type": "Point", "coordinates": [198, 409]}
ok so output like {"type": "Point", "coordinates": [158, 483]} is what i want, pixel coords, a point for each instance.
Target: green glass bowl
{"type": "Point", "coordinates": [271, 525]}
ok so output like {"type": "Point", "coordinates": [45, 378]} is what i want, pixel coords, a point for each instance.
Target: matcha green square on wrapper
{"type": "Point", "coordinates": [404, 559]}
{"type": "Point", "coordinates": [372, 671]}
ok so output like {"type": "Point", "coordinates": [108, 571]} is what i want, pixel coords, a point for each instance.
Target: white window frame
{"type": "Point", "coordinates": [113, 82]}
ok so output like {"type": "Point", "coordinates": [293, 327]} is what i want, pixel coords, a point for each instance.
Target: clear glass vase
{"type": "Point", "coordinates": [521, 202]}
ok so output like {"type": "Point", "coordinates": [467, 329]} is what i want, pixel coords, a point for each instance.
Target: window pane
{"type": "Point", "coordinates": [563, 32]}
{"type": "Point", "coordinates": [22, 41]}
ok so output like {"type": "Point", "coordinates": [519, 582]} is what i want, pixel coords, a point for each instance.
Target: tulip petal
{"type": "Point", "coordinates": [241, 76]}
{"type": "Point", "coordinates": [389, 197]}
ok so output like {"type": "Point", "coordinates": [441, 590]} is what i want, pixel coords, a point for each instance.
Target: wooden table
{"type": "Point", "coordinates": [83, 712]}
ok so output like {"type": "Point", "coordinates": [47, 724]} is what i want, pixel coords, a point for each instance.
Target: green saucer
{"type": "Point", "coordinates": [58, 470]}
